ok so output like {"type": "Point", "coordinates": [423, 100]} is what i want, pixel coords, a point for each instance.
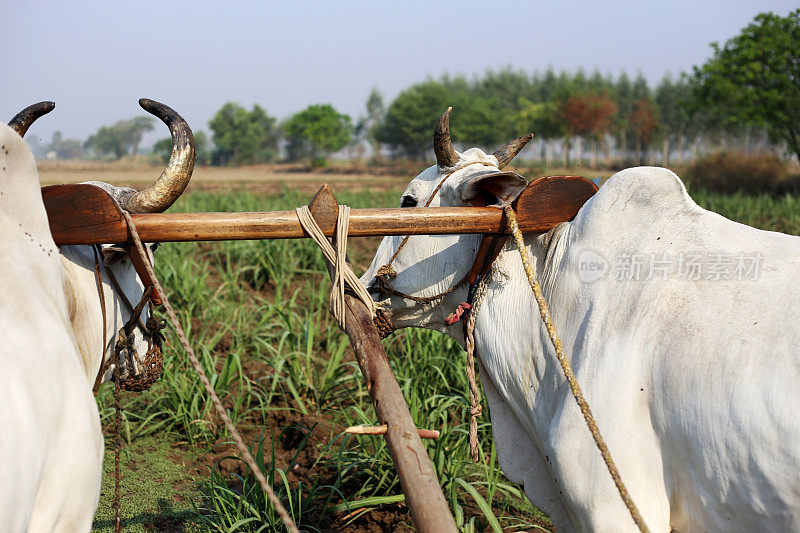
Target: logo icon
{"type": "Point", "coordinates": [591, 266]}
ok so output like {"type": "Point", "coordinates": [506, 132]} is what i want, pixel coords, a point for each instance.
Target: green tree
{"type": "Point", "coordinates": [375, 115]}
{"type": "Point", "coordinates": [409, 121]}
{"type": "Point", "coordinates": [756, 77]}
{"type": "Point", "coordinates": [316, 132]}
{"type": "Point", "coordinates": [543, 120]}
{"type": "Point", "coordinates": [673, 99]}
{"type": "Point", "coordinates": [243, 137]}
{"type": "Point", "coordinates": [65, 148]}
{"type": "Point", "coordinates": [121, 138]}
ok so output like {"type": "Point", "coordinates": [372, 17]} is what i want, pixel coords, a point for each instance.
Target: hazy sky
{"type": "Point", "coordinates": [96, 59]}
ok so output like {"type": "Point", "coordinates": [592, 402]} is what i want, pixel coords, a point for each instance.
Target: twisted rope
{"type": "Point", "coordinates": [475, 408]}
{"type": "Point", "coordinates": [239, 442]}
{"type": "Point", "coordinates": [336, 257]}
{"type": "Point", "coordinates": [565, 366]}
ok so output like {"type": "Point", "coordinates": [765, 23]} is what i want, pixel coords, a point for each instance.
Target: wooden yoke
{"type": "Point", "coordinates": [85, 214]}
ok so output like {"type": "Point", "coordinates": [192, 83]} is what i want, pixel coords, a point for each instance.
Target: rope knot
{"type": "Point", "coordinates": [387, 270]}
{"type": "Point", "coordinates": [456, 315]}
{"type": "Point", "coordinates": [476, 410]}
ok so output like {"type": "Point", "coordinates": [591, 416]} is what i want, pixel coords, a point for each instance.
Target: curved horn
{"type": "Point", "coordinates": [442, 147]}
{"type": "Point", "coordinates": [169, 186]}
{"type": "Point", "coordinates": [23, 120]}
{"type": "Point", "coordinates": [509, 151]}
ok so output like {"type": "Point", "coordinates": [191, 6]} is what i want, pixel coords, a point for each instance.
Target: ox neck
{"type": "Point", "coordinates": [85, 312]}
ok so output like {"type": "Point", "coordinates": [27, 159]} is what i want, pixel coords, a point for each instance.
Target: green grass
{"type": "Point", "coordinates": [157, 494]}
{"type": "Point", "coordinates": [256, 313]}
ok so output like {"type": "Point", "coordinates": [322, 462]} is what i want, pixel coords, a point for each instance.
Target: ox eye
{"type": "Point", "coordinates": [408, 201]}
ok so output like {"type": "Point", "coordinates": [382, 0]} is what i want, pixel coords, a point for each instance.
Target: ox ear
{"type": "Point", "coordinates": [497, 189]}
{"type": "Point", "coordinates": [113, 253]}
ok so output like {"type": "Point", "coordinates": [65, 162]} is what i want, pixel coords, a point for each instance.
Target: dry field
{"type": "Point", "coordinates": [259, 178]}
{"type": "Point", "coordinates": [262, 179]}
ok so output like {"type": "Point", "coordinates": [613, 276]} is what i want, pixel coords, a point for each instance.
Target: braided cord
{"type": "Point", "coordinates": [475, 408]}
{"type": "Point", "coordinates": [565, 366]}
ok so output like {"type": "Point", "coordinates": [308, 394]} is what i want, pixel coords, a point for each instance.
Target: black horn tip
{"type": "Point", "coordinates": [163, 112]}
{"type": "Point", "coordinates": [509, 151]}
{"type": "Point", "coordinates": [23, 120]}
{"type": "Point", "coordinates": [442, 145]}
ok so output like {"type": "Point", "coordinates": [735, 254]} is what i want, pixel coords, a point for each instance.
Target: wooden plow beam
{"type": "Point", "coordinates": [85, 214]}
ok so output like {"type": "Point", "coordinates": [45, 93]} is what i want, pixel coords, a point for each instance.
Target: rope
{"type": "Point", "coordinates": [337, 258]}
{"type": "Point", "coordinates": [475, 408]}
{"type": "Point", "coordinates": [565, 366]}
{"type": "Point", "coordinates": [117, 451]}
{"type": "Point", "coordinates": [243, 451]}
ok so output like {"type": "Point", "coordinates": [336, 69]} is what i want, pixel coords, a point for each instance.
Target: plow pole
{"type": "Point", "coordinates": [417, 476]}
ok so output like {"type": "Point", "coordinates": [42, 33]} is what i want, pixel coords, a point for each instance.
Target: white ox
{"type": "Point", "coordinates": [51, 338]}
{"type": "Point", "coordinates": [693, 382]}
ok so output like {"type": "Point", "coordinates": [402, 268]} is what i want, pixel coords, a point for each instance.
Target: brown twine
{"type": "Point", "coordinates": [565, 366]}
{"type": "Point", "coordinates": [247, 457]}
{"type": "Point", "coordinates": [117, 451]}
{"type": "Point", "coordinates": [475, 408]}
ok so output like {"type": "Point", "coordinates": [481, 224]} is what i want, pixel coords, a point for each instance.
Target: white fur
{"type": "Point", "coordinates": [692, 383]}
{"type": "Point", "coordinates": [51, 446]}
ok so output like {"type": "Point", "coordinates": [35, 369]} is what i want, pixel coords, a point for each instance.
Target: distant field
{"type": "Point", "coordinates": [259, 178]}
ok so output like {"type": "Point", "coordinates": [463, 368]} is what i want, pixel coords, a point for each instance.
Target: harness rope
{"type": "Point", "coordinates": [475, 408]}
{"type": "Point", "coordinates": [241, 447]}
{"type": "Point", "coordinates": [336, 258]}
{"type": "Point", "coordinates": [565, 366]}
{"type": "Point", "coordinates": [149, 370]}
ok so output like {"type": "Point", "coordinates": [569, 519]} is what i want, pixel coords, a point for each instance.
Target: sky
{"type": "Point", "coordinates": [95, 59]}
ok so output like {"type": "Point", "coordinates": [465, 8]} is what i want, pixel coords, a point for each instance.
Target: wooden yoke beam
{"type": "Point", "coordinates": [414, 468]}
{"type": "Point", "coordinates": [85, 214]}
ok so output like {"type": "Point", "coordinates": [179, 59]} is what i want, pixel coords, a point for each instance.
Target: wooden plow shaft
{"type": "Point", "coordinates": [424, 496]}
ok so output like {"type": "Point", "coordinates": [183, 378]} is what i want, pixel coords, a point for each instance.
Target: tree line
{"type": "Point", "coordinates": [746, 96]}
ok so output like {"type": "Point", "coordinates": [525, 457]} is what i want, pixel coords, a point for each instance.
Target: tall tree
{"type": "Point", "coordinates": [643, 122]}
{"type": "Point", "coordinates": [375, 115]}
{"type": "Point", "coordinates": [410, 118]}
{"type": "Point", "coordinates": [544, 121]}
{"type": "Point", "coordinates": [120, 138]}
{"type": "Point", "coordinates": [624, 94]}
{"type": "Point", "coordinates": [756, 77]}
{"type": "Point", "coordinates": [590, 116]}
{"type": "Point", "coordinates": [65, 148]}
{"type": "Point", "coordinates": [243, 137]}
{"type": "Point", "coordinates": [316, 132]}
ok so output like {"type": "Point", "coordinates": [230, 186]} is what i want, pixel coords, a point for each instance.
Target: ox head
{"type": "Point", "coordinates": [80, 263]}
{"type": "Point", "coordinates": [429, 265]}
